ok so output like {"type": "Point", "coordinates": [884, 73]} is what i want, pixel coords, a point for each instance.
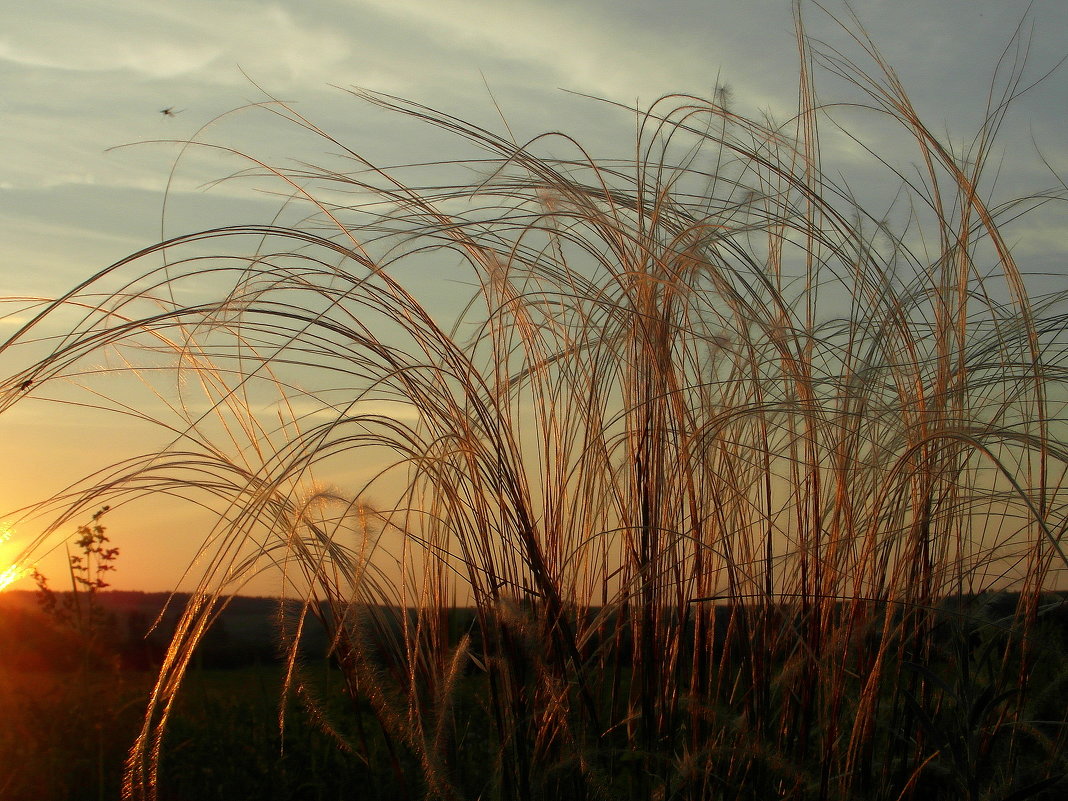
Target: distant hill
{"type": "Point", "coordinates": [246, 632]}
{"type": "Point", "coordinates": [247, 629]}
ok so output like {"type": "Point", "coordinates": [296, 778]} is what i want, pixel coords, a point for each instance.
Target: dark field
{"type": "Point", "coordinates": [67, 737]}
{"type": "Point", "coordinates": [71, 711]}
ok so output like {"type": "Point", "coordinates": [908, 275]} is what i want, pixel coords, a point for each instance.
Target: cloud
{"type": "Point", "coordinates": [72, 41]}
{"type": "Point", "coordinates": [608, 51]}
{"type": "Point", "coordinates": [201, 40]}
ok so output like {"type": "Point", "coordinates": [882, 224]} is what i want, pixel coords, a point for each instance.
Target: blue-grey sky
{"type": "Point", "coordinates": [78, 79]}
{"type": "Point", "coordinates": [81, 80]}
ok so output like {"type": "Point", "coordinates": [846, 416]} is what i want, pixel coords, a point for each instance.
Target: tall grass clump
{"type": "Point", "coordinates": [751, 491]}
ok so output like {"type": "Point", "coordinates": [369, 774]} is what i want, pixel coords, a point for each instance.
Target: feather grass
{"type": "Point", "coordinates": [706, 453]}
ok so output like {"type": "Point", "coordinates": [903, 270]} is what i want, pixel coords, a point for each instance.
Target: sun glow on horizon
{"type": "Point", "coordinates": [14, 572]}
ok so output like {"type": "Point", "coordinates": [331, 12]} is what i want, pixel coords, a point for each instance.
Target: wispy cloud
{"type": "Point", "coordinates": [608, 50]}
{"type": "Point", "coordinates": [115, 37]}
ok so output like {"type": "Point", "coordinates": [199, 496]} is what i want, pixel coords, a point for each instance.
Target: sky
{"type": "Point", "coordinates": [87, 153]}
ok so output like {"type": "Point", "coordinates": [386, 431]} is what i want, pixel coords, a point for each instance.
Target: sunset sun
{"type": "Point", "coordinates": [9, 573]}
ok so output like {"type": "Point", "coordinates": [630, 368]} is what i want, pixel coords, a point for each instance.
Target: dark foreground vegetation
{"type": "Point", "coordinates": [673, 503]}
{"type": "Point", "coordinates": [70, 716]}
{"type": "Point", "coordinates": [133, 631]}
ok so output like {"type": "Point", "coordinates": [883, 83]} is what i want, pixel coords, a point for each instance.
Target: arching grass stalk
{"type": "Point", "coordinates": [705, 454]}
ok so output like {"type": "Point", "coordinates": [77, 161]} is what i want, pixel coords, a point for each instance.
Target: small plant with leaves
{"type": "Point", "coordinates": [79, 609]}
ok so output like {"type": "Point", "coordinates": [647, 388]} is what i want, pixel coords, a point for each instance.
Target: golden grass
{"type": "Point", "coordinates": [707, 452]}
